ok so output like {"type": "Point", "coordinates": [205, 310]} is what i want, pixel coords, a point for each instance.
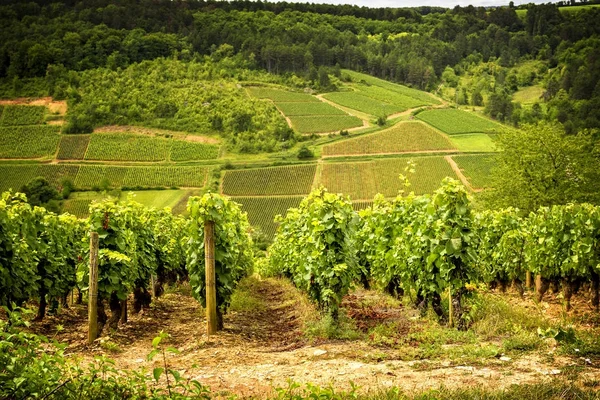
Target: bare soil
{"type": "Point", "coordinates": [55, 106]}
{"type": "Point", "coordinates": [263, 346]}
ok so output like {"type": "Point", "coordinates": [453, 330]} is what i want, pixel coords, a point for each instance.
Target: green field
{"type": "Point", "coordinates": [529, 95]}
{"type": "Point", "coordinates": [363, 180]}
{"type": "Point", "coordinates": [288, 180]}
{"type": "Point", "coordinates": [362, 103]}
{"type": "Point", "coordinates": [33, 141]}
{"type": "Point", "coordinates": [384, 95]}
{"type": "Point", "coordinates": [22, 115]}
{"type": "Point", "coordinates": [193, 151]}
{"type": "Point", "coordinates": [423, 97]}
{"type": "Point", "coordinates": [278, 95]}
{"type": "Point", "coordinates": [308, 108]}
{"type": "Point", "coordinates": [473, 143]}
{"type": "Point", "coordinates": [571, 9]}
{"type": "Point", "coordinates": [262, 210]}
{"type": "Point", "coordinates": [453, 121]}
{"type": "Point", "coordinates": [73, 147]}
{"type": "Point", "coordinates": [324, 123]}
{"type": "Point", "coordinates": [127, 147]}
{"type": "Point", "coordinates": [14, 176]}
{"type": "Point", "coordinates": [477, 168]}
{"type": "Point", "coordinates": [402, 137]}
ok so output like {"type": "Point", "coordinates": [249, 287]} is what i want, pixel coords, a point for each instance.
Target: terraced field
{"type": "Point", "coordinates": [322, 123]}
{"type": "Point", "coordinates": [402, 137]}
{"type": "Point", "coordinates": [262, 210]}
{"type": "Point", "coordinates": [287, 180]}
{"type": "Point", "coordinates": [363, 180]}
{"type": "Point", "coordinates": [32, 141]}
{"type": "Point", "coordinates": [22, 115]}
{"type": "Point", "coordinates": [453, 121]}
{"type": "Point", "coordinates": [73, 147]}
{"type": "Point", "coordinates": [477, 168]}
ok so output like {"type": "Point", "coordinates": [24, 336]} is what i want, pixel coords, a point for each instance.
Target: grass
{"type": "Point", "coordinates": [477, 168]}
{"type": "Point", "coordinates": [22, 115]}
{"type": "Point", "coordinates": [402, 137]}
{"type": "Point", "coordinates": [473, 143]}
{"type": "Point", "coordinates": [33, 141]}
{"type": "Point", "coordinates": [324, 123]}
{"type": "Point", "coordinates": [453, 121]}
{"type": "Point", "coordinates": [363, 103]}
{"type": "Point", "coordinates": [73, 147]}
{"type": "Point", "coordinates": [278, 95]}
{"type": "Point", "coordinates": [288, 180]}
{"type": "Point", "coordinates": [529, 95]}
{"type": "Point", "coordinates": [308, 108]}
{"type": "Point", "coordinates": [362, 180]}
{"type": "Point", "coordinates": [262, 211]}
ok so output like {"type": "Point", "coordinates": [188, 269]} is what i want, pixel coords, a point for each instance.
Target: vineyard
{"type": "Point", "coordinates": [288, 180]}
{"type": "Point", "coordinates": [306, 113]}
{"type": "Point", "coordinates": [14, 176]}
{"type": "Point", "coordinates": [22, 115]}
{"type": "Point", "coordinates": [363, 180]}
{"type": "Point", "coordinates": [32, 141]}
{"type": "Point", "coordinates": [192, 151]}
{"type": "Point", "coordinates": [126, 147]}
{"type": "Point", "coordinates": [73, 147]}
{"type": "Point", "coordinates": [453, 121]}
{"type": "Point", "coordinates": [477, 168]}
{"type": "Point", "coordinates": [402, 137]}
{"type": "Point", "coordinates": [262, 211]}
{"type": "Point", "coordinates": [324, 123]}
{"type": "Point", "coordinates": [360, 102]}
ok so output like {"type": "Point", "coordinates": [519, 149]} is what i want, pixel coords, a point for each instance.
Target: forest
{"type": "Point", "coordinates": [49, 46]}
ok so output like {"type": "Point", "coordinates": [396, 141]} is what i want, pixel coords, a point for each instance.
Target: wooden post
{"type": "Point", "coordinates": [451, 319]}
{"type": "Point", "coordinates": [211, 289]}
{"type": "Point", "coordinates": [124, 311]}
{"type": "Point", "coordinates": [93, 290]}
{"type": "Point", "coordinates": [528, 280]}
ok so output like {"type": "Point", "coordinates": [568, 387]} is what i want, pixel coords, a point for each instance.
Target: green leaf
{"type": "Point", "coordinates": [157, 372]}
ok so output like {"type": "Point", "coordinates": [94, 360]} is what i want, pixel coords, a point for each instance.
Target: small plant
{"type": "Point", "coordinates": [305, 153]}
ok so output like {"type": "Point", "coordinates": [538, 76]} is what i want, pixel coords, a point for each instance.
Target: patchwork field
{"type": "Point", "coordinates": [73, 147]}
{"type": "Point", "coordinates": [473, 143]}
{"type": "Point", "coordinates": [32, 141]}
{"type": "Point", "coordinates": [453, 121]}
{"type": "Point", "coordinates": [363, 180]}
{"type": "Point", "coordinates": [324, 123]}
{"type": "Point", "coordinates": [402, 137]}
{"type": "Point", "coordinates": [93, 176]}
{"type": "Point", "coordinates": [22, 115]}
{"type": "Point", "coordinates": [262, 210]}
{"type": "Point", "coordinates": [477, 168]}
{"type": "Point", "coordinates": [288, 180]}
{"type": "Point", "coordinates": [192, 151]}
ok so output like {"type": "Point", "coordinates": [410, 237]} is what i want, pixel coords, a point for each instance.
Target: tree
{"type": "Point", "coordinates": [541, 166]}
{"type": "Point", "coordinates": [40, 193]}
{"type": "Point", "coordinates": [305, 153]}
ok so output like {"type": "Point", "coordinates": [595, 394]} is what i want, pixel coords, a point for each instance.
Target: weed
{"type": "Point", "coordinates": [110, 346]}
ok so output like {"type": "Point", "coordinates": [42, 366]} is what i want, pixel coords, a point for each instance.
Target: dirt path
{"type": "Point", "coordinates": [263, 347]}
{"type": "Point", "coordinates": [460, 174]}
{"type": "Point", "coordinates": [55, 106]}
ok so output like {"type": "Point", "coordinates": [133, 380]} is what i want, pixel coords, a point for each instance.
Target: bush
{"type": "Point", "coordinates": [305, 153]}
